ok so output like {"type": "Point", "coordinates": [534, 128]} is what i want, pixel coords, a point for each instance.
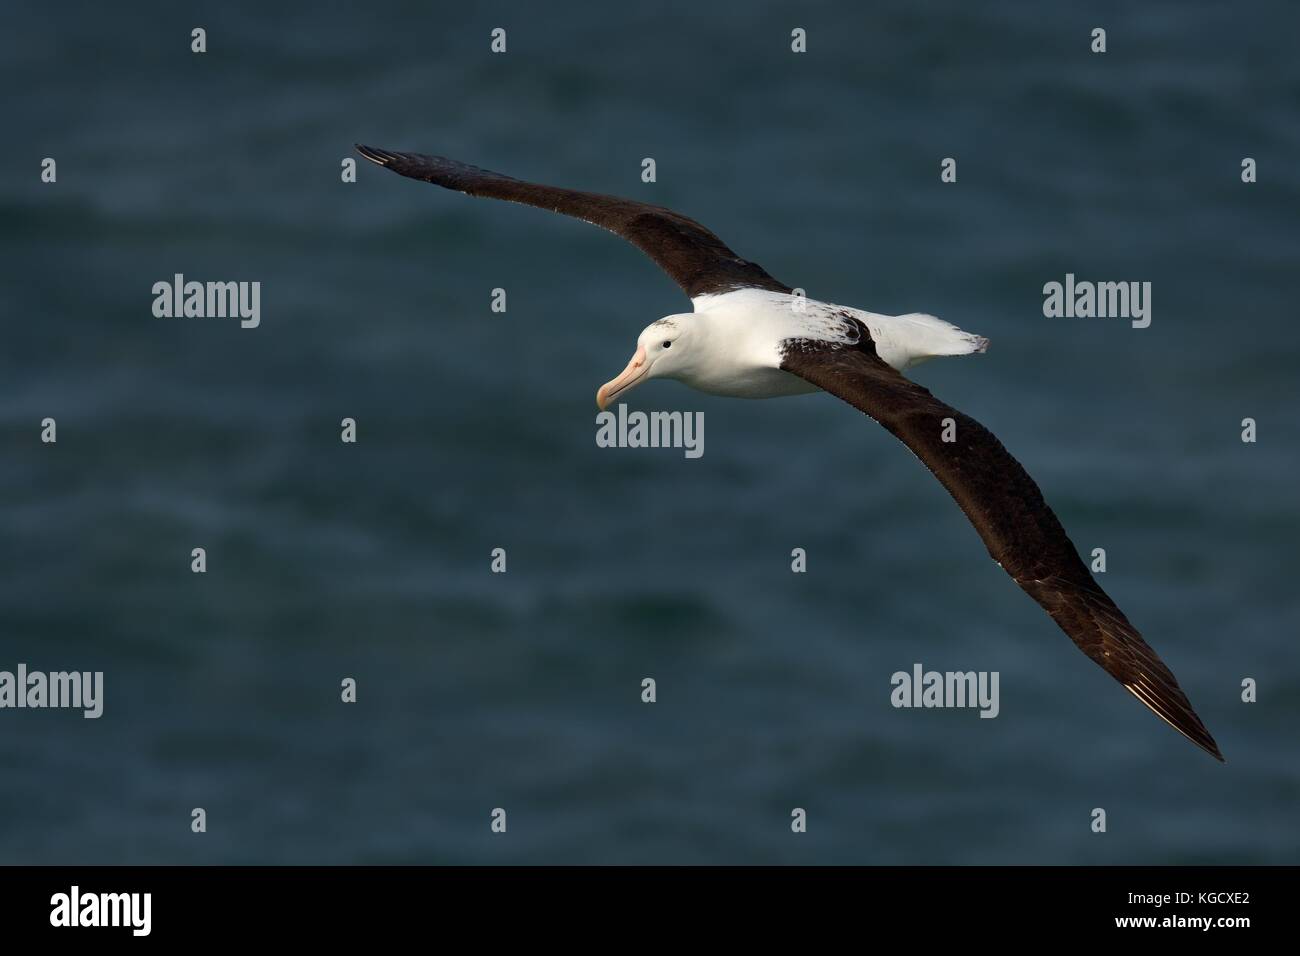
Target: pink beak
{"type": "Point", "coordinates": [635, 371]}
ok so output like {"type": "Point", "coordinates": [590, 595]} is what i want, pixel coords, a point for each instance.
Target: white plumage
{"type": "Point", "coordinates": [732, 343]}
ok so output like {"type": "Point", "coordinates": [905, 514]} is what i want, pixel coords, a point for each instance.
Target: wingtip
{"type": "Point", "coordinates": [1183, 719]}
{"type": "Point", "coordinates": [380, 157]}
{"type": "Point", "coordinates": [1213, 749]}
{"type": "Point", "coordinates": [1208, 745]}
{"type": "Point", "coordinates": [1202, 739]}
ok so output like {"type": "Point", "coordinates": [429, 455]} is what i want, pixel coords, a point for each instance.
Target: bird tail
{"type": "Point", "coordinates": [928, 337]}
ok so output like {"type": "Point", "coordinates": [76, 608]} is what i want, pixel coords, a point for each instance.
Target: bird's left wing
{"type": "Point", "coordinates": [693, 257]}
{"type": "Point", "coordinates": [1004, 504]}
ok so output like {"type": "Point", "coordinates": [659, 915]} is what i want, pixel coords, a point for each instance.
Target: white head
{"type": "Point", "coordinates": [663, 350]}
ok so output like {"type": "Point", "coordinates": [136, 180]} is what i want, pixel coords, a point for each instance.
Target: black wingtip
{"type": "Point", "coordinates": [1207, 744]}
{"type": "Point", "coordinates": [1213, 748]}
{"type": "Point", "coordinates": [1175, 710]}
{"type": "Point", "coordinates": [380, 157]}
{"type": "Point", "coordinates": [1210, 747]}
{"type": "Point", "coordinates": [1200, 736]}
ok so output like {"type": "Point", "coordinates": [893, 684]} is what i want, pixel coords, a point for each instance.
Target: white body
{"type": "Point", "coordinates": [735, 341]}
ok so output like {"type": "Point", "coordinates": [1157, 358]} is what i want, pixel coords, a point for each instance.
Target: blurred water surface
{"type": "Point", "coordinates": [522, 690]}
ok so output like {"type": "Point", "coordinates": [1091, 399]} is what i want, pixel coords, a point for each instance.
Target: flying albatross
{"type": "Point", "coordinates": [751, 336]}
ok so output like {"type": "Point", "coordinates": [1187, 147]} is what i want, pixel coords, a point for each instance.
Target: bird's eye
{"type": "Point", "coordinates": [668, 344]}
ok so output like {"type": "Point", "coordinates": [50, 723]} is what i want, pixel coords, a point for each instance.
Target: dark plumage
{"type": "Point", "coordinates": [693, 257]}
{"type": "Point", "coordinates": [1004, 504]}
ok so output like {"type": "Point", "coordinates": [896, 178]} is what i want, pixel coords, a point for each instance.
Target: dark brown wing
{"type": "Point", "coordinates": [695, 258]}
{"type": "Point", "coordinates": [1008, 511]}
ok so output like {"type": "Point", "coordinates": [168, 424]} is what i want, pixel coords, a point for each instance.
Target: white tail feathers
{"type": "Point", "coordinates": [905, 340]}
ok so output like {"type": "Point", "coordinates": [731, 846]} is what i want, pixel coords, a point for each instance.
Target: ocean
{"type": "Point", "coordinates": [522, 691]}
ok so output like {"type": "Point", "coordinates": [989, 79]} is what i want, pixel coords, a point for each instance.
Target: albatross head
{"type": "Point", "coordinates": [662, 351]}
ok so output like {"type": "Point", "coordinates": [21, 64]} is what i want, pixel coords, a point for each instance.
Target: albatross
{"type": "Point", "coordinates": [751, 336]}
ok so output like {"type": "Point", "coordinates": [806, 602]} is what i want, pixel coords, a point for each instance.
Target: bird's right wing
{"type": "Point", "coordinates": [693, 257]}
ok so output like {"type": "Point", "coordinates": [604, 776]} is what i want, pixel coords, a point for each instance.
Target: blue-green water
{"type": "Point", "coordinates": [522, 690]}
